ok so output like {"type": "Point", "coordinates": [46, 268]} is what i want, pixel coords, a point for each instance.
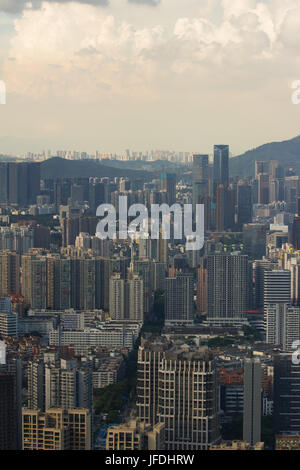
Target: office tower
{"type": "Point", "coordinates": [224, 208]}
{"type": "Point", "coordinates": [56, 429]}
{"type": "Point", "coordinates": [263, 189]}
{"type": "Point", "coordinates": [8, 412]}
{"type": "Point", "coordinates": [252, 401]}
{"type": "Point", "coordinates": [282, 325]}
{"type": "Point", "coordinates": [9, 273]}
{"type": "Point", "coordinates": [23, 183]}
{"type": "Point", "coordinates": [168, 184]}
{"type": "Point", "coordinates": [286, 416]}
{"type": "Point", "coordinates": [244, 204]}
{"type": "Point", "coordinates": [41, 237]}
{"type": "Point", "coordinates": [4, 183]}
{"type": "Point", "coordinates": [200, 170]}
{"type": "Point", "coordinates": [200, 178]}
{"type": "Point", "coordinates": [209, 211]}
{"type": "Point", "coordinates": [228, 289]}
{"type": "Point", "coordinates": [77, 194]}
{"type": "Point", "coordinates": [146, 248]}
{"type": "Point", "coordinates": [14, 367]}
{"type": "Point", "coordinates": [262, 167]}
{"type": "Point", "coordinates": [221, 166]}
{"type": "Point", "coordinates": [294, 233]}
{"type": "Point", "coordinates": [150, 354]}
{"type": "Point", "coordinates": [161, 249]}
{"type": "Point", "coordinates": [259, 267]}
{"type": "Point", "coordinates": [136, 435]}
{"type": "Point", "coordinates": [254, 240]}
{"type": "Point", "coordinates": [202, 290]}
{"type": "Point", "coordinates": [159, 276]}
{"type": "Point", "coordinates": [34, 280]}
{"type": "Point", "coordinates": [117, 297]}
{"type": "Point", "coordinates": [188, 399]}
{"type": "Point", "coordinates": [62, 191]}
{"type": "Point", "coordinates": [8, 323]}
{"type": "Point", "coordinates": [277, 287]}
{"type": "Point", "coordinates": [291, 191]}
{"type": "Point", "coordinates": [97, 195]}
{"type": "Point", "coordinates": [179, 307]}
{"type": "Point", "coordinates": [135, 298]}
{"type": "Point", "coordinates": [144, 268]}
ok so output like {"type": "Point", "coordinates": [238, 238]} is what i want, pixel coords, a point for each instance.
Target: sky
{"type": "Point", "coordinates": [181, 75]}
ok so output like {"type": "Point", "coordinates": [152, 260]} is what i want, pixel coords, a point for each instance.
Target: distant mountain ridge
{"type": "Point", "coordinates": [286, 152]}
{"type": "Point", "coordinates": [57, 167]}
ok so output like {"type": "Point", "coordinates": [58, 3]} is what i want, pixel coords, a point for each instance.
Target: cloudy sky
{"type": "Point", "coordinates": [148, 74]}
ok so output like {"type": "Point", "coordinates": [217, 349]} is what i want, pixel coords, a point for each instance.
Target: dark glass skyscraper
{"type": "Point", "coordinates": [221, 166]}
{"type": "Point", "coordinates": [286, 395]}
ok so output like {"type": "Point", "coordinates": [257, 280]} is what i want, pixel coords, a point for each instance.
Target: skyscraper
{"type": "Point", "coordinates": [8, 412]}
{"type": "Point", "coordinates": [221, 166]}
{"type": "Point", "coordinates": [177, 386]}
{"type": "Point", "coordinates": [179, 299]}
{"type": "Point", "coordinates": [168, 184]}
{"type": "Point", "coordinates": [286, 416]}
{"type": "Point", "coordinates": [282, 325]}
{"type": "Point", "coordinates": [252, 401]}
{"type": "Point", "coordinates": [188, 399]}
{"type": "Point", "coordinates": [200, 178]}
{"type": "Point", "coordinates": [244, 204]}
{"type": "Point", "coordinates": [117, 297]}
{"type": "Point", "coordinates": [224, 208]}
{"type": "Point", "coordinates": [228, 289]}
{"type": "Point", "coordinates": [254, 240]}
{"type": "Point", "coordinates": [277, 287]}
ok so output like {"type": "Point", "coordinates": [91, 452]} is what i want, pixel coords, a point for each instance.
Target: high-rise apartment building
{"type": "Point", "coordinates": [34, 280]}
{"type": "Point", "coordinates": [179, 296]}
{"type": "Point", "coordinates": [188, 399]}
{"type": "Point", "coordinates": [228, 289]}
{"type": "Point", "coordinates": [117, 305]}
{"type": "Point", "coordinates": [58, 384]}
{"type": "Point", "coordinates": [136, 435]}
{"type": "Point", "coordinates": [9, 273]}
{"type": "Point", "coordinates": [177, 386]}
{"type": "Point", "coordinates": [282, 325]}
{"type": "Point", "coordinates": [56, 429]}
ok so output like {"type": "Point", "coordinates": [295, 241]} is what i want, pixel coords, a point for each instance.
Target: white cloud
{"type": "Point", "coordinates": [79, 53]}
